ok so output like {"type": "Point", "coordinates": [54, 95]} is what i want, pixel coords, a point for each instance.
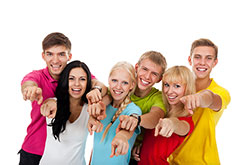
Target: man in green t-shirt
{"type": "Point", "coordinates": [149, 69]}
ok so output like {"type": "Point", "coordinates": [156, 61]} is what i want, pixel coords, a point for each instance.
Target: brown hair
{"type": "Point", "coordinates": [56, 39]}
{"type": "Point", "coordinates": [204, 42]}
{"type": "Point", "coordinates": [155, 57]}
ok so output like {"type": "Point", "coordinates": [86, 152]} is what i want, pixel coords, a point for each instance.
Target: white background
{"type": "Point", "coordinates": [105, 32]}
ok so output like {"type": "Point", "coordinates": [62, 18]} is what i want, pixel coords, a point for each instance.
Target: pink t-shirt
{"type": "Point", "coordinates": [35, 139]}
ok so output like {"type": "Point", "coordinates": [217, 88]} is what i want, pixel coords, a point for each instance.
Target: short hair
{"type": "Point", "coordinates": [204, 42]}
{"type": "Point", "coordinates": [155, 57]}
{"type": "Point", "coordinates": [56, 39]}
{"type": "Point", "coordinates": [62, 94]}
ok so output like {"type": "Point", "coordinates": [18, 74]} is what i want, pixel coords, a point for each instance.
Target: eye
{"type": "Point", "coordinates": [166, 85]}
{"type": "Point", "coordinates": [125, 82]}
{"type": "Point", "coordinates": [71, 78]}
{"type": "Point", "coordinates": [197, 57]}
{"type": "Point", "coordinates": [177, 86]}
{"type": "Point", "coordinates": [114, 80]}
{"type": "Point", "coordinates": [145, 69]}
{"type": "Point", "coordinates": [62, 54]}
{"type": "Point", "coordinates": [82, 79]}
{"type": "Point", "coordinates": [155, 74]}
{"type": "Point", "coordinates": [48, 54]}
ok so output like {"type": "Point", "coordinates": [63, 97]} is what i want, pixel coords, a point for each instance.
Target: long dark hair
{"type": "Point", "coordinates": [62, 94]}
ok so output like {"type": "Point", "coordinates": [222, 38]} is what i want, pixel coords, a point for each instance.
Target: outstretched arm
{"type": "Point", "coordinates": [148, 120]}
{"type": "Point", "coordinates": [167, 126]}
{"type": "Point", "coordinates": [119, 145]}
{"type": "Point", "coordinates": [204, 99]}
{"type": "Point", "coordinates": [98, 91]}
{"type": "Point", "coordinates": [31, 91]}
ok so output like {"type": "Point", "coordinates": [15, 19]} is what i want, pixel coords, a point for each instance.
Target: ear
{"type": "Point", "coordinates": [136, 67]}
{"type": "Point", "coordinates": [160, 79]}
{"type": "Point", "coordinates": [69, 57]}
{"type": "Point", "coordinates": [190, 60]}
{"type": "Point", "coordinates": [43, 55]}
{"type": "Point", "coordinates": [215, 62]}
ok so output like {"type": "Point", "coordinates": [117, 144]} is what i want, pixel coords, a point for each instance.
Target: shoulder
{"type": "Point", "coordinates": [219, 90]}
{"type": "Point", "coordinates": [133, 108]}
{"type": "Point", "coordinates": [35, 76]}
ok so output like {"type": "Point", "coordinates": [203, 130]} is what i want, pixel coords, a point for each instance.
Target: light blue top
{"type": "Point", "coordinates": [102, 150]}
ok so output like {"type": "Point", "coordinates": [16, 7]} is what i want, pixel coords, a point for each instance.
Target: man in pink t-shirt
{"type": "Point", "coordinates": [40, 85]}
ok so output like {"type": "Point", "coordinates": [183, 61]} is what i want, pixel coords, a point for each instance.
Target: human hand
{"type": "Point", "coordinates": [33, 93]}
{"type": "Point", "coordinates": [97, 110]}
{"type": "Point", "coordinates": [119, 146]}
{"type": "Point", "coordinates": [165, 127]}
{"type": "Point", "coordinates": [49, 108]}
{"type": "Point", "coordinates": [136, 152]}
{"type": "Point", "coordinates": [94, 125]}
{"type": "Point", "coordinates": [128, 123]}
{"type": "Point", "coordinates": [191, 102]}
{"type": "Point", "coordinates": [94, 96]}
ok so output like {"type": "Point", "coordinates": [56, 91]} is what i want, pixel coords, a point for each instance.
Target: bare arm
{"type": "Point", "coordinates": [31, 91]}
{"type": "Point", "coordinates": [119, 145]}
{"type": "Point", "coordinates": [167, 126]}
{"type": "Point", "coordinates": [204, 99]}
{"type": "Point", "coordinates": [151, 119]}
{"type": "Point", "coordinates": [148, 120]}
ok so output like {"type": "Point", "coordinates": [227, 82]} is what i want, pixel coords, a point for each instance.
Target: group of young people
{"type": "Point", "coordinates": [133, 122]}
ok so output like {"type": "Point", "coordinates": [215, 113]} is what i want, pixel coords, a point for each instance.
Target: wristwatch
{"type": "Point", "coordinates": [137, 117]}
{"type": "Point", "coordinates": [97, 87]}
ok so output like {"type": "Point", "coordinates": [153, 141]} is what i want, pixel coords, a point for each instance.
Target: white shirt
{"type": "Point", "coordinates": [71, 147]}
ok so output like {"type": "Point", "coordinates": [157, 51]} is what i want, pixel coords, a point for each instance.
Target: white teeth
{"type": "Point", "coordinates": [55, 66]}
{"type": "Point", "coordinates": [76, 89]}
{"type": "Point", "coordinates": [201, 69]}
{"type": "Point", "coordinates": [170, 97]}
{"type": "Point", "coordinates": [145, 82]}
{"type": "Point", "coordinates": [117, 92]}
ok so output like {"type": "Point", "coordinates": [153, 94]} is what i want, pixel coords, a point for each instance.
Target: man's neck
{"type": "Point", "coordinates": [202, 83]}
{"type": "Point", "coordinates": [142, 93]}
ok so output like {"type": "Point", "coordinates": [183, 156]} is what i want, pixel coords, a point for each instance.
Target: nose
{"type": "Point", "coordinates": [55, 58]}
{"type": "Point", "coordinates": [77, 82]}
{"type": "Point", "coordinates": [147, 75]}
{"type": "Point", "coordinates": [202, 61]}
{"type": "Point", "coordinates": [170, 90]}
{"type": "Point", "coordinates": [118, 85]}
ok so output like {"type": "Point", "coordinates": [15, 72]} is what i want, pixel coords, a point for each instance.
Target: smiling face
{"type": "Point", "coordinates": [77, 83]}
{"type": "Point", "coordinates": [148, 73]}
{"type": "Point", "coordinates": [120, 84]}
{"type": "Point", "coordinates": [203, 60]}
{"type": "Point", "coordinates": [173, 91]}
{"type": "Point", "coordinates": [56, 58]}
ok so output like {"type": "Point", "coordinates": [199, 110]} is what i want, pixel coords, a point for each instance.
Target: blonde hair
{"type": "Point", "coordinates": [131, 71]}
{"type": "Point", "coordinates": [155, 57]}
{"type": "Point", "coordinates": [178, 74]}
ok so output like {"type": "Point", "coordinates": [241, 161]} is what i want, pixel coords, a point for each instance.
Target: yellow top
{"type": "Point", "coordinates": [200, 147]}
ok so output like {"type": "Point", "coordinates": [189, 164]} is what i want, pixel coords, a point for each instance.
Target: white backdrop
{"type": "Point", "coordinates": [105, 32]}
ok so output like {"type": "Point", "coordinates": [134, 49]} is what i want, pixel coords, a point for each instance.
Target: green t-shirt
{"type": "Point", "coordinates": [153, 99]}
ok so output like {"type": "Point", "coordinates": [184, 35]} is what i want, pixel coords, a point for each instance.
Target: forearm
{"type": "Point", "coordinates": [95, 82]}
{"type": "Point", "coordinates": [150, 119]}
{"type": "Point", "coordinates": [210, 100]}
{"type": "Point", "coordinates": [107, 99]}
{"type": "Point", "coordinates": [125, 133]}
{"type": "Point", "coordinates": [28, 83]}
{"type": "Point", "coordinates": [181, 127]}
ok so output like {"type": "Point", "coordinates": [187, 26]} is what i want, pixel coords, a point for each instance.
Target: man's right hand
{"type": "Point", "coordinates": [49, 108]}
{"type": "Point", "coordinates": [32, 93]}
